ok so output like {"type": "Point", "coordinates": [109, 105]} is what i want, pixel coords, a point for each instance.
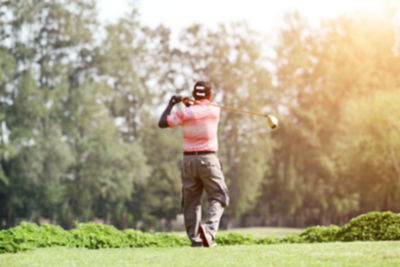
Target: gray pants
{"type": "Point", "coordinates": [202, 172]}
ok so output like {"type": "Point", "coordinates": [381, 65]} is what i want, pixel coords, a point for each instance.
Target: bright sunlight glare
{"type": "Point", "coordinates": [264, 16]}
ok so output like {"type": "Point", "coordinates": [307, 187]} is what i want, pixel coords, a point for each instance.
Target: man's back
{"type": "Point", "coordinates": [200, 126]}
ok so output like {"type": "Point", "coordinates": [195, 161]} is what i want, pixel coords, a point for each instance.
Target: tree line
{"type": "Point", "coordinates": [80, 102]}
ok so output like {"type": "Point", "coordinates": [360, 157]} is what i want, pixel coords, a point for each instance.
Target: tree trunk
{"type": "Point", "coordinates": [229, 223]}
{"type": "Point", "coordinates": [9, 218]}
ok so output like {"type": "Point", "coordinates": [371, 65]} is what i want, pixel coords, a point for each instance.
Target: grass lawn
{"type": "Point", "coordinates": [322, 254]}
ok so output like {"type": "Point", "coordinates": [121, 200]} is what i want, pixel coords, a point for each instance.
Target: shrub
{"type": "Point", "coordinates": [29, 235]}
{"type": "Point", "coordinates": [140, 239]}
{"type": "Point", "coordinates": [292, 239]}
{"type": "Point", "coordinates": [234, 239]}
{"type": "Point", "coordinates": [372, 226]}
{"type": "Point", "coordinates": [85, 235]}
{"type": "Point", "coordinates": [268, 240]}
{"type": "Point", "coordinates": [91, 235]}
{"type": "Point", "coordinates": [320, 234]}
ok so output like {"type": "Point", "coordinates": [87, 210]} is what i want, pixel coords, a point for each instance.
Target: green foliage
{"type": "Point", "coordinates": [369, 138]}
{"type": "Point", "coordinates": [97, 236]}
{"type": "Point", "coordinates": [86, 235]}
{"type": "Point", "coordinates": [373, 226]}
{"type": "Point", "coordinates": [337, 151]}
{"type": "Point", "coordinates": [90, 235]}
{"type": "Point", "coordinates": [234, 239]}
{"type": "Point", "coordinates": [320, 234]}
{"type": "Point", "coordinates": [65, 157]}
{"type": "Point", "coordinates": [30, 235]}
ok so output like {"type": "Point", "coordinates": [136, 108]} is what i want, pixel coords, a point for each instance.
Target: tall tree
{"type": "Point", "coordinates": [370, 159]}
{"type": "Point", "coordinates": [318, 69]}
{"type": "Point", "coordinates": [69, 157]}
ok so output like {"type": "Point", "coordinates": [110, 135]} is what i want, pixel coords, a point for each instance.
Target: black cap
{"type": "Point", "coordinates": [202, 90]}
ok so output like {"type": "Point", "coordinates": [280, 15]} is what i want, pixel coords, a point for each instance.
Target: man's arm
{"type": "Point", "coordinates": [163, 120]}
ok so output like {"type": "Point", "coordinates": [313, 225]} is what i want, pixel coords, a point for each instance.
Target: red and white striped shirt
{"type": "Point", "coordinates": [200, 125]}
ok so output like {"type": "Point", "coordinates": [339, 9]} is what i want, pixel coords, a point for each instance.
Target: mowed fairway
{"type": "Point", "coordinates": [322, 254]}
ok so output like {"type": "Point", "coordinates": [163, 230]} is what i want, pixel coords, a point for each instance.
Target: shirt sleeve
{"type": "Point", "coordinates": [175, 119]}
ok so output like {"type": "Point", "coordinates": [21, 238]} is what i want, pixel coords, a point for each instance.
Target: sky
{"type": "Point", "coordinates": [265, 16]}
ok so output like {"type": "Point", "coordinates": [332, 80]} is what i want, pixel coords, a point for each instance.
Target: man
{"type": "Point", "coordinates": [201, 168]}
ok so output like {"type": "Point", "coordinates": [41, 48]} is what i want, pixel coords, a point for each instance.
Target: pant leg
{"type": "Point", "coordinates": [217, 192]}
{"type": "Point", "coordinates": [191, 202]}
{"type": "Point", "coordinates": [214, 214]}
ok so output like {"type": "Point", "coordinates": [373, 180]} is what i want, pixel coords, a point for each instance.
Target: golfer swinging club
{"type": "Point", "coordinates": [201, 168]}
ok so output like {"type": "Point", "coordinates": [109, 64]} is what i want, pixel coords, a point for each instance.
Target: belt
{"type": "Point", "coordinates": [198, 153]}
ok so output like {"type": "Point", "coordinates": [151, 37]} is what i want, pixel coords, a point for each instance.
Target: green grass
{"type": "Point", "coordinates": [384, 253]}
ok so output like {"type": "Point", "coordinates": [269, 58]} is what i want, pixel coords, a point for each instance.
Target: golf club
{"type": "Point", "coordinates": [272, 120]}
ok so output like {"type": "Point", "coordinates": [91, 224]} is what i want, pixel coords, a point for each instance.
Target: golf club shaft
{"type": "Point", "coordinates": [234, 109]}
{"type": "Point", "coordinates": [272, 121]}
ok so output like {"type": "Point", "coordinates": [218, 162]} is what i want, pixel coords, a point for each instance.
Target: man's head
{"type": "Point", "coordinates": [202, 90]}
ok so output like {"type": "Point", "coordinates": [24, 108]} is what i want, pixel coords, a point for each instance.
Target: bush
{"type": "Point", "coordinates": [234, 239]}
{"type": "Point", "coordinates": [140, 239]}
{"type": "Point", "coordinates": [373, 226]}
{"type": "Point", "coordinates": [269, 240]}
{"type": "Point", "coordinates": [86, 235]}
{"type": "Point", "coordinates": [320, 234]}
{"type": "Point", "coordinates": [91, 235]}
{"type": "Point", "coordinates": [95, 236]}
{"type": "Point", "coordinates": [29, 235]}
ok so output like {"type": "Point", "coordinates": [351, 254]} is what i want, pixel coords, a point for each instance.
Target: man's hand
{"type": "Point", "coordinates": [175, 99]}
{"type": "Point", "coordinates": [186, 101]}
{"type": "Point", "coordinates": [163, 123]}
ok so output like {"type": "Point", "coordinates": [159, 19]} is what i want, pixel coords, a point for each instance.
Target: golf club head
{"type": "Point", "coordinates": [272, 121]}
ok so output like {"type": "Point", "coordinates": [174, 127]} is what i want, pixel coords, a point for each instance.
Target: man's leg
{"type": "Point", "coordinates": [214, 214]}
{"type": "Point", "coordinates": [191, 202]}
{"type": "Point", "coordinates": [192, 214]}
{"type": "Point", "coordinates": [217, 191]}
